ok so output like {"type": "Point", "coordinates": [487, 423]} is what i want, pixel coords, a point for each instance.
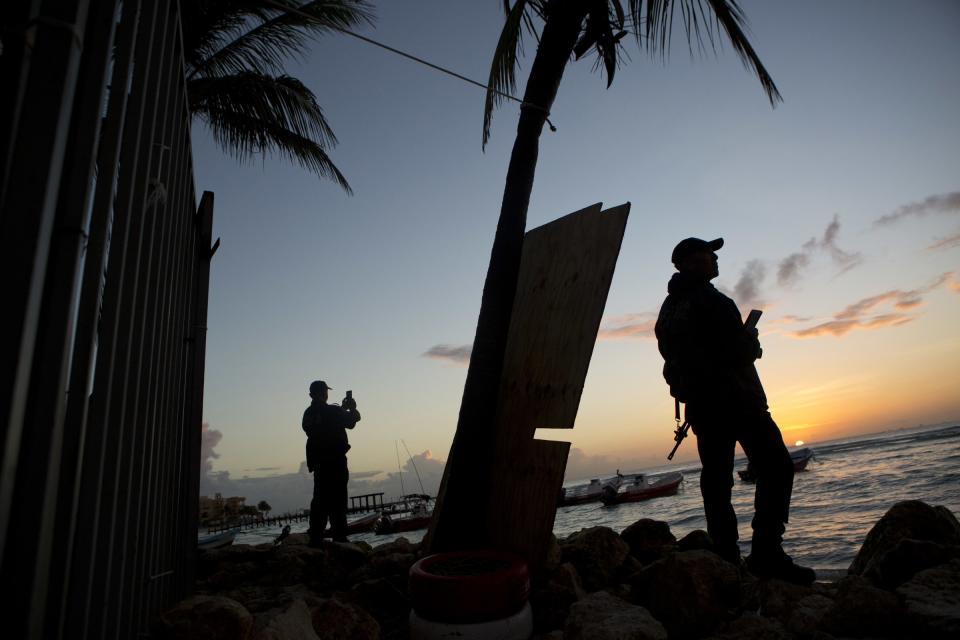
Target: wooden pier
{"type": "Point", "coordinates": [358, 504]}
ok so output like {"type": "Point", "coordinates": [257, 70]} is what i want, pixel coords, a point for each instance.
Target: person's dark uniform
{"type": "Point", "coordinates": [327, 446]}
{"type": "Point", "coordinates": [709, 363]}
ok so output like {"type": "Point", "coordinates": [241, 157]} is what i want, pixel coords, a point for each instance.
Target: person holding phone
{"type": "Point", "coordinates": [327, 446]}
{"type": "Point", "coordinates": [709, 355]}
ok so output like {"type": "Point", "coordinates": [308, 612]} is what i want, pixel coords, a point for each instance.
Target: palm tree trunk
{"type": "Point", "coordinates": [464, 490]}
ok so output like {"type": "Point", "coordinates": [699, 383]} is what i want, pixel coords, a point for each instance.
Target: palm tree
{"type": "Point", "coordinates": [234, 52]}
{"type": "Point", "coordinates": [568, 28]}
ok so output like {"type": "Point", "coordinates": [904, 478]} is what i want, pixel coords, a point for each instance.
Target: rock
{"type": "Point", "coordinates": [291, 622]}
{"type": "Point", "coordinates": [206, 618]}
{"type": "Point", "coordinates": [601, 616]}
{"type": "Point", "coordinates": [750, 626]}
{"type": "Point", "coordinates": [696, 539]}
{"type": "Point", "coordinates": [777, 598]}
{"type": "Point", "coordinates": [346, 556]}
{"type": "Point", "coordinates": [385, 601]}
{"type": "Point", "coordinates": [649, 540]}
{"type": "Point", "coordinates": [597, 553]}
{"type": "Point", "coordinates": [400, 545]}
{"type": "Point", "coordinates": [932, 601]}
{"type": "Point", "coordinates": [807, 614]}
{"type": "Point", "coordinates": [690, 592]}
{"type": "Point", "coordinates": [551, 602]}
{"type": "Point", "coordinates": [913, 520]}
{"type": "Point", "coordinates": [553, 635]}
{"type": "Point", "coordinates": [336, 620]}
{"type": "Point", "coordinates": [392, 564]}
{"type": "Point", "coordinates": [298, 539]}
{"type": "Point", "coordinates": [908, 557]}
{"type": "Point", "coordinates": [860, 608]}
{"type": "Point", "coordinates": [554, 556]}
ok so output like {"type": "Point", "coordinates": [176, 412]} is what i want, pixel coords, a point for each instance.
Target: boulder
{"type": "Point", "coordinates": [690, 592]}
{"type": "Point", "coordinates": [554, 556]}
{"type": "Point", "coordinates": [551, 602]}
{"type": "Point", "coordinates": [860, 608]}
{"type": "Point", "coordinates": [751, 626]}
{"type": "Point", "coordinates": [291, 622]}
{"type": "Point", "coordinates": [648, 539]}
{"type": "Point", "coordinates": [336, 620]}
{"type": "Point", "coordinates": [908, 520]}
{"type": "Point", "coordinates": [696, 539]}
{"type": "Point", "coordinates": [400, 545]}
{"type": "Point", "coordinates": [778, 598]}
{"type": "Point", "coordinates": [597, 553]}
{"type": "Point", "coordinates": [601, 616]}
{"type": "Point", "coordinates": [907, 558]}
{"type": "Point", "coordinates": [807, 614]}
{"type": "Point", "coordinates": [205, 617]}
{"type": "Point", "coordinates": [385, 600]}
{"type": "Point", "coordinates": [932, 601]}
{"type": "Point", "coordinates": [392, 564]}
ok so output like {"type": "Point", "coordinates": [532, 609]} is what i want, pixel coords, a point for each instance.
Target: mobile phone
{"type": "Point", "coordinates": [752, 318]}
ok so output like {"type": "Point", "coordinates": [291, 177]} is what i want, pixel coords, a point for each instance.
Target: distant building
{"type": "Point", "coordinates": [218, 508]}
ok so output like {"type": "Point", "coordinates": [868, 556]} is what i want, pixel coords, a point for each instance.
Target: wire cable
{"type": "Point", "coordinates": [426, 63]}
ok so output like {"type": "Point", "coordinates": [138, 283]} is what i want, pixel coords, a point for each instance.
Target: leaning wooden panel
{"type": "Point", "coordinates": [565, 275]}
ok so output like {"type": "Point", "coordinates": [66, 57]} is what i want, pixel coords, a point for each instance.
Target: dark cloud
{"type": "Point", "coordinates": [209, 439]}
{"type": "Point", "coordinates": [631, 325]}
{"type": "Point", "coordinates": [747, 290]}
{"type": "Point", "coordinates": [946, 243]}
{"type": "Point", "coordinates": [855, 315]}
{"type": "Point", "coordinates": [458, 354]}
{"type": "Point", "coordinates": [940, 203]}
{"type": "Point", "coordinates": [790, 269]}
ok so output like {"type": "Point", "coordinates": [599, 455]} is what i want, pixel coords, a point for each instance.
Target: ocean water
{"type": "Point", "coordinates": [845, 489]}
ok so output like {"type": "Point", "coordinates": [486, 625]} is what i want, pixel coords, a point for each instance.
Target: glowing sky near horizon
{"type": "Point", "coordinates": [840, 209]}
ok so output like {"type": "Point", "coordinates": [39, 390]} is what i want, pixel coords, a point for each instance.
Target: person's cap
{"type": "Point", "coordinates": [690, 246]}
{"type": "Point", "coordinates": [318, 385]}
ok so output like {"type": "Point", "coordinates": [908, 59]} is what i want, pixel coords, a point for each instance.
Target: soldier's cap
{"type": "Point", "coordinates": [318, 385]}
{"type": "Point", "coordinates": [690, 246]}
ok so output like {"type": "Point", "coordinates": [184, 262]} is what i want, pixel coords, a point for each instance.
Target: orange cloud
{"type": "Point", "coordinates": [851, 316]}
{"type": "Point", "coordinates": [946, 243]}
{"type": "Point", "coordinates": [631, 325]}
{"type": "Point", "coordinates": [842, 327]}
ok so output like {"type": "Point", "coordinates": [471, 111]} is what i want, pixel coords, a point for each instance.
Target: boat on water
{"type": "Point", "coordinates": [642, 487]}
{"type": "Point", "coordinates": [800, 458]}
{"type": "Point", "coordinates": [216, 540]}
{"type": "Point", "coordinates": [590, 492]}
{"type": "Point", "coordinates": [415, 514]}
{"type": "Point", "coordinates": [363, 524]}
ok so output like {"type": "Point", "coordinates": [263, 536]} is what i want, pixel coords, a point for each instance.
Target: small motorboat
{"type": "Point", "coordinates": [363, 524]}
{"type": "Point", "coordinates": [416, 516]}
{"type": "Point", "coordinates": [643, 487]}
{"type": "Point", "coordinates": [592, 492]}
{"type": "Point", "coordinates": [800, 458]}
{"type": "Point", "coordinates": [216, 540]}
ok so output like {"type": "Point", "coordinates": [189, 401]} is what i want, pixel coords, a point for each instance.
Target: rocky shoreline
{"type": "Point", "coordinates": [597, 584]}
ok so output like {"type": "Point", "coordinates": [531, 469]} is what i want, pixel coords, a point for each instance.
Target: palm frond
{"type": "Point", "coordinates": [259, 37]}
{"type": "Point", "coordinates": [656, 16]}
{"type": "Point", "coordinates": [252, 113]}
{"type": "Point", "coordinates": [504, 65]}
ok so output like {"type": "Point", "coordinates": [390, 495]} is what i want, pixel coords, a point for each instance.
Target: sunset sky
{"type": "Point", "coordinates": [840, 210]}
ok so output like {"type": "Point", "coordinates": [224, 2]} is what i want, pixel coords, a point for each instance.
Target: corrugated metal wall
{"type": "Point", "coordinates": [106, 256]}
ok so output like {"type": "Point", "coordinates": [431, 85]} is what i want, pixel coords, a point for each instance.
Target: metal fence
{"type": "Point", "coordinates": [105, 256]}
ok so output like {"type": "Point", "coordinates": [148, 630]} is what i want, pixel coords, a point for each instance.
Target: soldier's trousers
{"type": "Point", "coordinates": [717, 435]}
{"type": "Point", "coordinates": [329, 499]}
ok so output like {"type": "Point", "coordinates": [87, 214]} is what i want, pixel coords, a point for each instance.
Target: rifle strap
{"type": "Point", "coordinates": [676, 410]}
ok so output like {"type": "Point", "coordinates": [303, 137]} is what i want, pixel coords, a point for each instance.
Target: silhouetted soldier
{"type": "Point", "coordinates": [709, 364]}
{"type": "Point", "coordinates": [327, 446]}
